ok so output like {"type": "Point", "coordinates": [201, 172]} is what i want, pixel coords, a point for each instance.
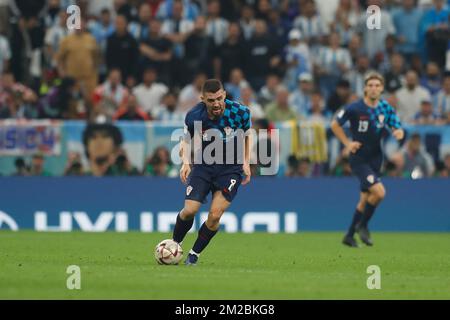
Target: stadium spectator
{"type": "Point", "coordinates": [280, 110]}
{"type": "Point", "coordinates": [356, 75]}
{"type": "Point", "coordinates": [279, 26]}
{"type": "Point", "coordinates": [53, 38]}
{"type": "Point", "coordinates": [235, 84]}
{"type": "Point", "coordinates": [63, 102]}
{"type": "Point", "coordinates": [261, 55]}
{"type": "Point", "coordinates": [199, 50]}
{"type": "Point", "coordinates": [190, 10]}
{"type": "Point", "coordinates": [20, 105]}
{"type": "Point", "coordinates": [442, 101]}
{"type": "Point", "coordinates": [434, 32]}
{"type": "Point", "coordinates": [110, 95]}
{"type": "Point", "coordinates": [190, 94]}
{"type": "Point", "coordinates": [156, 51]}
{"type": "Point", "coordinates": [432, 80]}
{"type": "Point", "coordinates": [418, 162]}
{"type": "Point", "coordinates": [248, 99]}
{"type": "Point", "coordinates": [346, 19]}
{"type": "Point", "coordinates": [410, 96]}
{"type": "Point", "coordinates": [407, 20]}
{"type": "Point", "coordinates": [22, 169]}
{"type": "Point", "coordinates": [267, 93]}
{"type": "Point", "coordinates": [247, 21]}
{"type": "Point", "coordinates": [340, 97]}
{"type": "Point", "coordinates": [331, 64]}
{"type": "Point", "coordinates": [300, 98]}
{"type": "Point", "coordinates": [229, 54]}
{"type": "Point", "coordinates": [297, 59]}
{"type": "Point", "coordinates": [78, 57]}
{"type": "Point", "coordinates": [177, 28]}
{"type": "Point", "coordinates": [216, 26]}
{"type": "Point", "coordinates": [122, 49]}
{"type": "Point", "coordinates": [355, 47]}
{"type": "Point", "coordinates": [299, 167]}
{"type": "Point", "coordinates": [140, 29]}
{"type": "Point", "coordinates": [102, 144]}
{"type": "Point", "coordinates": [310, 23]}
{"type": "Point", "coordinates": [159, 164]}
{"type": "Point", "coordinates": [74, 167]}
{"type": "Point", "coordinates": [122, 166]}
{"type": "Point", "coordinates": [394, 77]}
{"type": "Point", "coordinates": [37, 166]}
{"type": "Point", "coordinates": [374, 39]}
{"type": "Point", "coordinates": [168, 109]}
{"type": "Point", "coordinates": [316, 113]}
{"type": "Point", "coordinates": [426, 115]}
{"type": "Point", "coordinates": [5, 53]}
{"type": "Point", "coordinates": [130, 110]}
{"type": "Point", "coordinates": [150, 92]}
{"type": "Point", "coordinates": [342, 167]}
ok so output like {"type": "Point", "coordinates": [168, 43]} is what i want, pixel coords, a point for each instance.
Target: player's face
{"type": "Point", "coordinates": [215, 103]}
{"type": "Point", "coordinates": [373, 89]}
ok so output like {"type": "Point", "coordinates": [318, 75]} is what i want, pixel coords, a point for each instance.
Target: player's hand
{"type": "Point", "coordinates": [398, 134]}
{"type": "Point", "coordinates": [184, 172]}
{"type": "Point", "coordinates": [354, 146]}
{"type": "Point", "coordinates": [247, 173]}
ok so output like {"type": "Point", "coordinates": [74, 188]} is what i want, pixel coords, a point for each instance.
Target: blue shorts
{"type": "Point", "coordinates": [211, 178]}
{"type": "Point", "coordinates": [367, 171]}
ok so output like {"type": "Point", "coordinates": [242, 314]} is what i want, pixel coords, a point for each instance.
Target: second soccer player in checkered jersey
{"type": "Point", "coordinates": [214, 119]}
{"type": "Point", "coordinates": [369, 119]}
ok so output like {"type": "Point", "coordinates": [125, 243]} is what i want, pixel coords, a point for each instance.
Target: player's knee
{"type": "Point", "coordinates": [188, 213]}
{"type": "Point", "coordinates": [215, 215]}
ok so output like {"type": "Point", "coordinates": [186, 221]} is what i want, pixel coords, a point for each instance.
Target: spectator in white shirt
{"type": "Point", "coordinates": [5, 53]}
{"type": "Point", "coordinates": [248, 99]}
{"type": "Point", "coordinates": [410, 96]}
{"type": "Point", "coordinates": [216, 26]}
{"type": "Point", "coordinates": [442, 101]}
{"type": "Point", "coordinates": [190, 94]}
{"type": "Point", "coordinates": [150, 92]}
{"type": "Point", "coordinates": [167, 111]}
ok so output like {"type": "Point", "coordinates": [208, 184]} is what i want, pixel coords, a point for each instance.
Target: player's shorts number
{"type": "Point", "coordinates": [363, 126]}
{"type": "Point", "coordinates": [232, 183]}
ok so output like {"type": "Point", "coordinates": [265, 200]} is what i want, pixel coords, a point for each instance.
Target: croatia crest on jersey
{"type": "Point", "coordinates": [380, 121]}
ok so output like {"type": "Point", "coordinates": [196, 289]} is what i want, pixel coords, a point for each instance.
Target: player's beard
{"type": "Point", "coordinates": [216, 113]}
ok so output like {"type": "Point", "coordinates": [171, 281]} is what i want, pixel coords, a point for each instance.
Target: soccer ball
{"type": "Point", "coordinates": [168, 252]}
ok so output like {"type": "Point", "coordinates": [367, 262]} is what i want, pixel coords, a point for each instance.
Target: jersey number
{"type": "Point", "coordinates": [363, 126]}
{"type": "Point", "coordinates": [232, 183]}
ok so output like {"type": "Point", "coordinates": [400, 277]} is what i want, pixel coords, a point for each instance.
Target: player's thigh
{"type": "Point", "coordinates": [366, 175]}
{"type": "Point", "coordinates": [219, 204]}
{"type": "Point", "coordinates": [199, 185]}
{"type": "Point", "coordinates": [228, 184]}
{"type": "Point", "coordinates": [378, 191]}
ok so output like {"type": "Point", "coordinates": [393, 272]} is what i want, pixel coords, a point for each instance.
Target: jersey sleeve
{"type": "Point", "coordinates": [393, 120]}
{"type": "Point", "coordinates": [188, 132]}
{"type": "Point", "coordinates": [247, 120]}
{"type": "Point", "coordinates": [343, 115]}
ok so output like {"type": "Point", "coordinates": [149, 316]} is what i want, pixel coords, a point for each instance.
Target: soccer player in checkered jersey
{"type": "Point", "coordinates": [229, 122]}
{"type": "Point", "coordinates": [369, 120]}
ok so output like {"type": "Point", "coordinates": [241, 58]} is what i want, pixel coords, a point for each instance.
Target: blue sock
{"type": "Point", "coordinates": [357, 216]}
{"type": "Point", "coordinates": [181, 228]}
{"type": "Point", "coordinates": [368, 213]}
{"type": "Point", "coordinates": [204, 236]}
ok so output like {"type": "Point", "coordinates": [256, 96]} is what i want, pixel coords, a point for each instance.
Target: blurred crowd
{"type": "Point", "coordinates": [285, 59]}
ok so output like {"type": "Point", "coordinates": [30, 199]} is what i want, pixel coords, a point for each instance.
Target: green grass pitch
{"type": "Point", "coordinates": [234, 266]}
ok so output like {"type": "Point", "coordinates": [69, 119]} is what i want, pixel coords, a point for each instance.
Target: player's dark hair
{"type": "Point", "coordinates": [110, 130]}
{"type": "Point", "coordinates": [212, 86]}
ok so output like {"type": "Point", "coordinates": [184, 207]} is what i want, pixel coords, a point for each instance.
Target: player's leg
{"type": "Point", "coordinates": [357, 215]}
{"type": "Point", "coordinates": [377, 192]}
{"type": "Point", "coordinates": [196, 192]}
{"type": "Point", "coordinates": [185, 219]}
{"type": "Point", "coordinates": [224, 190]}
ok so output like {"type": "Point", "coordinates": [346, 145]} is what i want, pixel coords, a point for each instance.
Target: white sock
{"type": "Point", "coordinates": [194, 253]}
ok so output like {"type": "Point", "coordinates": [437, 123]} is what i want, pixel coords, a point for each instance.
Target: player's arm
{"type": "Point", "coordinates": [185, 151]}
{"type": "Point", "coordinates": [395, 125]}
{"type": "Point", "coordinates": [247, 154]}
{"type": "Point", "coordinates": [336, 127]}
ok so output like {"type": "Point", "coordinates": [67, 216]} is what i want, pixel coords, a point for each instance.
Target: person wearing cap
{"type": "Point", "coordinates": [297, 59]}
{"type": "Point", "coordinates": [426, 115]}
{"type": "Point", "coordinates": [300, 98]}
